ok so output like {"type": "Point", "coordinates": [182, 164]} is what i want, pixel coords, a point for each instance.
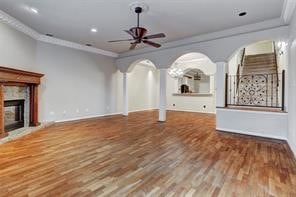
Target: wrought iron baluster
{"type": "Point", "coordinates": [234, 89]}
{"type": "Point", "coordinates": [272, 75]}
{"type": "Point", "coordinates": [267, 90]}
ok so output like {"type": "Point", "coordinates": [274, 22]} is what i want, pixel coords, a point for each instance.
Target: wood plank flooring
{"type": "Point", "coordinates": [138, 156]}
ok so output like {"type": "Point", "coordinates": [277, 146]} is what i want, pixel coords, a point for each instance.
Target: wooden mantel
{"type": "Point", "coordinates": [14, 77]}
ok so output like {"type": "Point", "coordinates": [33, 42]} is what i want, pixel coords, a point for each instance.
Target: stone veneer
{"type": "Point", "coordinates": [16, 93]}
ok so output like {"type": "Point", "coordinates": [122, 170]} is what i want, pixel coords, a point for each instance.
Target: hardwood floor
{"type": "Point", "coordinates": [138, 156]}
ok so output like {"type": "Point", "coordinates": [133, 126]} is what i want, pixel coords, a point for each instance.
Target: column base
{"type": "Point", "coordinates": [34, 124]}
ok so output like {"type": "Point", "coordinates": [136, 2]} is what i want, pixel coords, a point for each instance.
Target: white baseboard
{"type": "Point", "coordinates": [251, 111]}
{"type": "Point", "coordinates": [251, 133]}
{"type": "Point", "coordinates": [142, 110]}
{"type": "Point", "coordinates": [87, 117]}
{"type": "Point", "coordinates": [193, 111]}
{"type": "Point", "coordinates": [292, 147]}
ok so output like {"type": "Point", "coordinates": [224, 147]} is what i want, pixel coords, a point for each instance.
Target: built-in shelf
{"type": "Point", "coordinates": [193, 94]}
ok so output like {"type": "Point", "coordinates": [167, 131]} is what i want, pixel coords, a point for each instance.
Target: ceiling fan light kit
{"type": "Point", "coordinates": [138, 33]}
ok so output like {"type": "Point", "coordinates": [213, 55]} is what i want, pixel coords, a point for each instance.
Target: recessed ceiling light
{"type": "Point", "coordinates": [49, 35]}
{"type": "Point", "coordinates": [34, 10]}
{"type": "Point", "coordinates": [242, 14]}
{"type": "Point", "coordinates": [94, 30]}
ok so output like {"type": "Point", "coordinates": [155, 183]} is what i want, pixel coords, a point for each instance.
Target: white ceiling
{"type": "Point", "coordinates": [72, 19]}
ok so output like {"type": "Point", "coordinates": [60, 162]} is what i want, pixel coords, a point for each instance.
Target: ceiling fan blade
{"type": "Point", "coordinates": [133, 46]}
{"type": "Point", "coordinates": [151, 43]}
{"type": "Point", "coordinates": [161, 35]}
{"type": "Point", "coordinates": [131, 33]}
{"type": "Point", "coordinates": [121, 40]}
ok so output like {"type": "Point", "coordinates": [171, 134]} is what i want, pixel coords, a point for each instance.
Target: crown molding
{"type": "Point", "coordinates": [16, 24]}
{"type": "Point", "coordinates": [60, 42]}
{"type": "Point", "coordinates": [19, 26]}
{"type": "Point", "coordinates": [288, 10]}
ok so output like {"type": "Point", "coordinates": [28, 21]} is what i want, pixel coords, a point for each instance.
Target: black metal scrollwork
{"type": "Point", "coordinates": [252, 90]}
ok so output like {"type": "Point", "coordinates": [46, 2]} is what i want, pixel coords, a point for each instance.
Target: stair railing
{"type": "Point", "coordinates": [276, 63]}
{"type": "Point", "coordinates": [239, 70]}
{"type": "Point", "coordinates": [255, 90]}
{"type": "Point", "coordinates": [240, 66]}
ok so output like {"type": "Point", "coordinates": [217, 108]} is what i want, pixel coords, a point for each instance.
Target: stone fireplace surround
{"type": "Point", "coordinates": [16, 94]}
{"type": "Point", "coordinates": [19, 84]}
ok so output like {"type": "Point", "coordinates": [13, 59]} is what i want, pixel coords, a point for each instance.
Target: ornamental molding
{"type": "Point", "coordinates": [21, 27]}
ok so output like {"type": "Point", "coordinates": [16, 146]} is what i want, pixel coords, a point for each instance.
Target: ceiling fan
{"type": "Point", "coordinates": [139, 34]}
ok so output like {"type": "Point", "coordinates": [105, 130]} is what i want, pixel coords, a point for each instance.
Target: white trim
{"type": "Point", "coordinates": [87, 117]}
{"type": "Point", "coordinates": [139, 110]}
{"type": "Point", "coordinates": [191, 111]}
{"type": "Point", "coordinates": [264, 25]}
{"type": "Point", "coordinates": [292, 147]}
{"type": "Point", "coordinates": [251, 133]}
{"type": "Point", "coordinates": [16, 24]}
{"type": "Point", "coordinates": [288, 11]}
{"type": "Point", "coordinates": [253, 111]}
{"type": "Point", "coordinates": [74, 45]}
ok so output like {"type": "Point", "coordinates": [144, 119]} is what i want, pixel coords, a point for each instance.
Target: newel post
{"type": "Point", "coordinates": [221, 84]}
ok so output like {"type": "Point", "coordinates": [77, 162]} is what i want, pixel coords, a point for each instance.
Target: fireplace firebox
{"type": "Point", "coordinates": [14, 114]}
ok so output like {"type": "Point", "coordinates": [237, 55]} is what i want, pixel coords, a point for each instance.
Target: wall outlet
{"type": "Point", "coordinates": [87, 110]}
{"type": "Point", "coordinates": [52, 113]}
{"type": "Point", "coordinates": [77, 111]}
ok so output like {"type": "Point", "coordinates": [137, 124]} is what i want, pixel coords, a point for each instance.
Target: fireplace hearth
{"type": "Point", "coordinates": [14, 114]}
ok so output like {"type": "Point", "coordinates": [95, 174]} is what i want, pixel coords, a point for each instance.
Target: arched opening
{"type": "Point", "coordinates": [256, 75]}
{"type": "Point", "coordinates": [143, 86]}
{"type": "Point", "coordinates": [191, 84]}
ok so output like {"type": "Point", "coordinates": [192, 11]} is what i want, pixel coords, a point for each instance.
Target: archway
{"type": "Point", "coordinates": [191, 84]}
{"type": "Point", "coordinates": [256, 74]}
{"type": "Point", "coordinates": [142, 86]}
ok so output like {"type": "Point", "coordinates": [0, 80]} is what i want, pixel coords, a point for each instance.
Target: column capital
{"type": "Point", "coordinates": [221, 62]}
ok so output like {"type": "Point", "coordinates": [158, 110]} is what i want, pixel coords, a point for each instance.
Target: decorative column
{"type": "Point", "coordinates": [125, 95]}
{"type": "Point", "coordinates": [2, 127]}
{"type": "Point", "coordinates": [34, 121]}
{"type": "Point", "coordinates": [162, 94]}
{"type": "Point", "coordinates": [221, 84]}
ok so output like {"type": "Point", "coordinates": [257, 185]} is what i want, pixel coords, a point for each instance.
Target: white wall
{"type": "Point", "coordinates": [265, 124]}
{"type": "Point", "coordinates": [143, 88]}
{"type": "Point", "coordinates": [189, 103]}
{"type": "Point", "coordinates": [292, 86]}
{"type": "Point", "coordinates": [76, 84]}
{"type": "Point", "coordinates": [259, 48]}
{"type": "Point", "coordinates": [17, 50]}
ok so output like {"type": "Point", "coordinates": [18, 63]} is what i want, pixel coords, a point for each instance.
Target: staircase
{"type": "Point", "coordinates": [260, 64]}
{"type": "Point", "coordinates": [258, 81]}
